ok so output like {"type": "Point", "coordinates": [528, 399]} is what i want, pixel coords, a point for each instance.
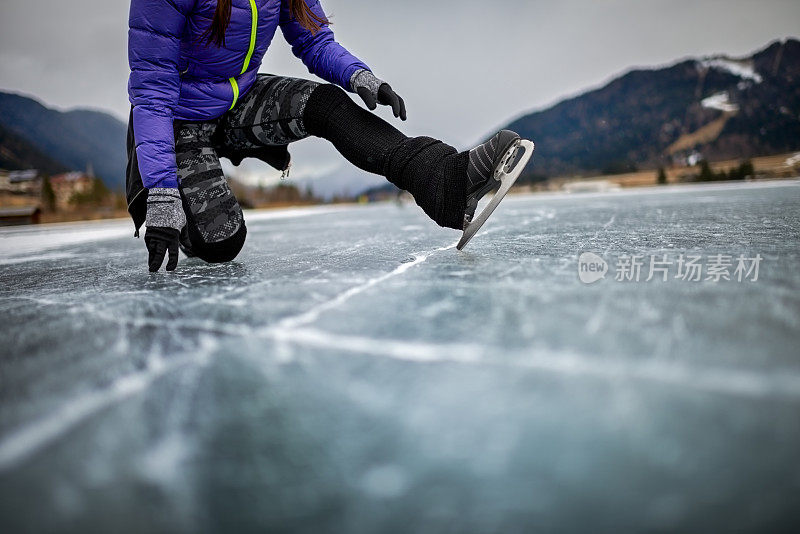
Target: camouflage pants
{"type": "Point", "coordinates": [270, 114]}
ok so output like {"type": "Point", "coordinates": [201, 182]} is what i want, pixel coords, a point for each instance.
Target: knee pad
{"type": "Point", "coordinates": [212, 212]}
{"type": "Point", "coordinates": [220, 251]}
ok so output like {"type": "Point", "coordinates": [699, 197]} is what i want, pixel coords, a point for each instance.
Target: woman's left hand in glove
{"type": "Point", "coordinates": [374, 91]}
{"type": "Point", "coordinates": [165, 218]}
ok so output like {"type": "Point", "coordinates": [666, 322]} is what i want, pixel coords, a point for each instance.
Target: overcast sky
{"type": "Point", "coordinates": [464, 67]}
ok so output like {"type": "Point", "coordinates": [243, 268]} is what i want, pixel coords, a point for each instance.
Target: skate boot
{"type": "Point", "coordinates": [494, 165]}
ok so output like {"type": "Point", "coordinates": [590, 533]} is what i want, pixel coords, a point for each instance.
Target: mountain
{"type": "Point", "coordinates": [18, 154]}
{"type": "Point", "coordinates": [722, 107]}
{"type": "Point", "coordinates": [70, 140]}
{"type": "Point", "coordinates": [346, 181]}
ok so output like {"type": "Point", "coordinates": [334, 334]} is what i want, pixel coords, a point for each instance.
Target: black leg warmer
{"type": "Point", "coordinates": [360, 136]}
{"type": "Point", "coordinates": [433, 172]}
{"type": "Point", "coordinates": [436, 174]}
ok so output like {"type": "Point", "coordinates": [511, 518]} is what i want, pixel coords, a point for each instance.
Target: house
{"type": "Point", "coordinates": [14, 216]}
{"type": "Point", "coordinates": [66, 185]}
{"type": "Point", "coordinates": [27, 182]}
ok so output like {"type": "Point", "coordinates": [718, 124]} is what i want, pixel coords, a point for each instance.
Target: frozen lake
{"type": "Point", "coordinates": [352, 372]}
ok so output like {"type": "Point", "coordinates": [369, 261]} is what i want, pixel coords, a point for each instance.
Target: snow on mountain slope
{"type": "Point", "coordinates": [742, 68]}
{"type": "Point", "coordinates": [720, 101]}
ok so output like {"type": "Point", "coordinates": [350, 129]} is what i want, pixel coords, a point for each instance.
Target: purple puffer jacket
{"type": "Point", "coordinates": [176, 76]}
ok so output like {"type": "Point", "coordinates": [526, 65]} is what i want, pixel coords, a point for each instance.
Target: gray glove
{"type": "Point", "coordinates": [164, 208]}
{"type": "Point", "coordinates": [373, 91]}
{"type": "Point", "coordinates": [165, 218]}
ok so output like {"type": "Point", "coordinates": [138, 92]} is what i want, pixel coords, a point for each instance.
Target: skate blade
{"type": "Point", "coordinates": [507, 176]}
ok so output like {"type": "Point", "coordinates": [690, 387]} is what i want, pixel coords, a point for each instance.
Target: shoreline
{"type": "Point", "coordinates": [263, 213]}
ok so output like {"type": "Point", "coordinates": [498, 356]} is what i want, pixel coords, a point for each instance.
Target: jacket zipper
{"type": "Point", "coordinates": [249, 56]}
{"type": "Point", "coordinates": [235, 87]}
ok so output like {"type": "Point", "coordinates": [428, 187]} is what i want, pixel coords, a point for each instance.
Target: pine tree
{"type": "Point", "coordinates": [99, 190]}
{"type": "Point", "coordinates": [706, 174]}
{"type": "Point", "coordinates": [662, 176]}
{"type": "Point", "coordinates": [747, 170]}
{"type": "Point", "coordinates": [48, 195]}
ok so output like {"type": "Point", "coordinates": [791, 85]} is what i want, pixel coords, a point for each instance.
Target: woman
{"type": "Point", "coordinates": [196, 96]}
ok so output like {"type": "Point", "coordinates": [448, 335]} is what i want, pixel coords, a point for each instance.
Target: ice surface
{"type": "Point", "coordinates": [353, 372]}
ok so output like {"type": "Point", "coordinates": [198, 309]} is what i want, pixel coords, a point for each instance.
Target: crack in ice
{"type": "Point", "coordinates": [32, 438]}
{"type": "Point", "coordinates": [707, 379]}
{"type": "Point", "coordinates": [313, 314]}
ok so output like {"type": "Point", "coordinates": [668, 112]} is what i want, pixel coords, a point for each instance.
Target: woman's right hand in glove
{"type": "Point", "coordinates": [374, 91]}
{"type": "Point", "coordinates": [165, 218]}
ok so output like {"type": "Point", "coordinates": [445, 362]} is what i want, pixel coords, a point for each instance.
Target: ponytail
{"type": "Point", "coordinates": [307, 18]}
{"type": "Point", "coordinates": [215, 34]}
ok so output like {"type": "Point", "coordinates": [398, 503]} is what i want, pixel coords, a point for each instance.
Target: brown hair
{"type": "Point", "coordinates": [222, 18]}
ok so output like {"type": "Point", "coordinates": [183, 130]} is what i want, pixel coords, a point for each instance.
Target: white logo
{"type": "Point", "coordinates": [591, 268]}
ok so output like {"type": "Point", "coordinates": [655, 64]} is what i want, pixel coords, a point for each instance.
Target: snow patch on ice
{"type": "Point", "coordinates": [741, 68]}
{"type": "Point", "coordinates": [288, 213]}
{"type": "Point", "coordinates": [17, 243]}
{"type": "Point", "coordinates": [36, 257]}
{"type": "Point", "coordinates": [720, 101]}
